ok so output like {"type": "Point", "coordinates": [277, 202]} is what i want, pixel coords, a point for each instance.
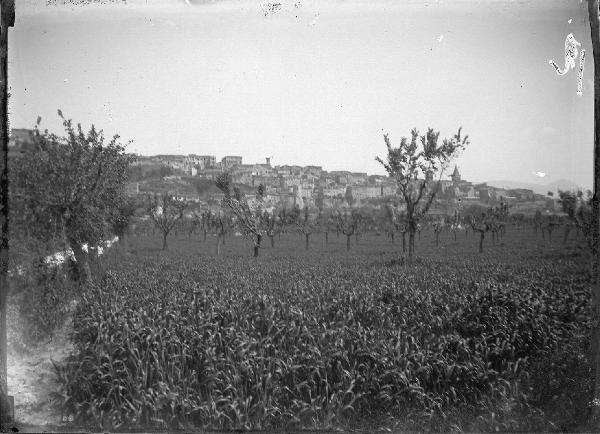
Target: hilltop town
{"type": "Point", "coordinates": [192, 176]}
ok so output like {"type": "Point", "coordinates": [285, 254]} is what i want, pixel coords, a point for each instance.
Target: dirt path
{"type": "Point", "coordinates": [31, 376]}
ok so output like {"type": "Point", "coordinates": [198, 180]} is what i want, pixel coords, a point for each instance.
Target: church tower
{"type": "Point", "coordinates": [455, 175]}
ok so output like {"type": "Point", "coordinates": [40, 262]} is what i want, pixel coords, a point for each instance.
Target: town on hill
{"type": "Point", "coordinates": [192, 177]}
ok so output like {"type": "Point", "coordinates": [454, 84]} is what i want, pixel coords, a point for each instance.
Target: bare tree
{"type": "Point", "coordinates": [218, 223]}
{"type": "Point", "coordinates": [306, 225]}
{"type": "Point", "coordinates": [347, 223]}
{"type": "Point", "coordinates": [273, 223]}
{"type": "Point", "coordinates": [412, 165]}
{"type": "Point", "coordinates": [248, 215]}
{"type": "Point", "coordinates": [165, 211]}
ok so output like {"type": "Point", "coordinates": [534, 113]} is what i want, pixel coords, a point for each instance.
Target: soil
{"type": "Point", "coordinates": [32, 379]}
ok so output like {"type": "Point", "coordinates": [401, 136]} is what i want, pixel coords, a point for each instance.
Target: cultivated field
{"type": "Point", "coordinates": [327, 338]}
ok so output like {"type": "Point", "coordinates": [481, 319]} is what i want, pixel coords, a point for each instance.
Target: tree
{"type": "Point", "coordinates": [71, 187]}
{"type": "Point", "coordinates": [411, 165]}
{"type": "Point", "coordinates": [273, 224]}
{"type": "Point", "coordinates": [349, 196]}
{"type": "Point", "coordinates": [165, 211]}
{"type": "Point", "coordinates": [306, 225]}
{"type": "Point", "coordinates": [327, 223]}
{"type": "Point", "coordinates": [249, 215]}
{"type": "Point", "coordinates": [347, 223]}
{"type": "Point", "coordinates": [219, 223]}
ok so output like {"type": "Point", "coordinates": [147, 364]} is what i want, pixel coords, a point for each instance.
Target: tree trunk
{"type": "Point", "coordinates": [272, 238]}
{"type": "Point", "coordinates": [481, 237]}
{"type": "Point", "coordinates": [326, 237]}
{"type": "Point", "coordinates": [411, 246]}
{"type": "Point", "coordinates": [419, 232]}
{"type": "Point", "coordinates": [83, 265]}
{"type": "Point", "coordinates": [454, 236]}
{"type": "Point", "coordinates": [164, 243]}
{"type": "Point", "coordinates": [124, 241]}
{"type": "Point", "coordinates": [204, 234]}
{"type": "Point", "coordinates": [348, 242]}
{"type": "Point", "coordinates": [403, 242]}
{"type": "Point", "coordinates": [566, 236]}
{"type": "Point", "coordinates": [257, 245]}
{"type": "Point", "coordinates": [595, 337]}
{"type": "Point", "coordinates": [306, 237]}
{"type": "Point", "coordinates": [392, 236]}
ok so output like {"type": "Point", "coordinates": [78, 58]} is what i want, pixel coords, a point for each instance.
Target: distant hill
{"type": "Point", "coordinates": [561, 184]}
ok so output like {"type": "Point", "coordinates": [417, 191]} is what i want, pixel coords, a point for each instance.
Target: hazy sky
{"type": "Point", "coordinates": [316, 82]}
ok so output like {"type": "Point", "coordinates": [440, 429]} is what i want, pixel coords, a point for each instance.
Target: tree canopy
{"type": "Point", "coordinates": [70, 187]}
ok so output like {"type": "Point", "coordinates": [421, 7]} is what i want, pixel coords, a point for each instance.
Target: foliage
{"type": "Point", "coordinates": [69, 187]}
{"type": "Point", "coordinates": [578, 208]}
{"type": "Point", "coordinates": [413, 165]}
{"type": "Point", "coordinates": [44, 295]}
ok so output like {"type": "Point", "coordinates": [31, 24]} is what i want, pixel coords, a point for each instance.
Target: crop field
{"type": "Point", "coordinates": [325, 338]}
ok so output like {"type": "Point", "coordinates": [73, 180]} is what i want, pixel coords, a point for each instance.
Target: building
{"type": "Point", "coordinates": [455, 175]}
{"type": "Point", "coordinates": [207, 161]}
{"type": "Point", "coordinates": [231, 161]}
{"type": "Point", "coordinates": [362, 192]}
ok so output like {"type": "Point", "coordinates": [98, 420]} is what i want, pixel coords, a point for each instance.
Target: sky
{"type": "Point", "coordinates": [314, 82]}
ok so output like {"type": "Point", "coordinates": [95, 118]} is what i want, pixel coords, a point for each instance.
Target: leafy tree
{"type": "Point", "coordinates": [71, 187]}
{"type": "Point", "coordinates": [249, 215]}
{"type": "Point", "coordinates": [165, 211]}
{"type": "Point", "coordinates": [410, 162]}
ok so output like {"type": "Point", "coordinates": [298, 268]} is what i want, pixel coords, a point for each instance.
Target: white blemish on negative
{"type": "Point", "coordinates": [580, 75]}
{"type": "Point", "coordinates": [571, 53]}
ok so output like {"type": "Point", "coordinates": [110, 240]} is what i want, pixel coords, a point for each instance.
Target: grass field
{"type": "Point", "coordinates": [325, 338]}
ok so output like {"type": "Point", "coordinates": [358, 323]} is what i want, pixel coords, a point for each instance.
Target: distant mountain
{"type": "Point", "coordinates": [561, 184]}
